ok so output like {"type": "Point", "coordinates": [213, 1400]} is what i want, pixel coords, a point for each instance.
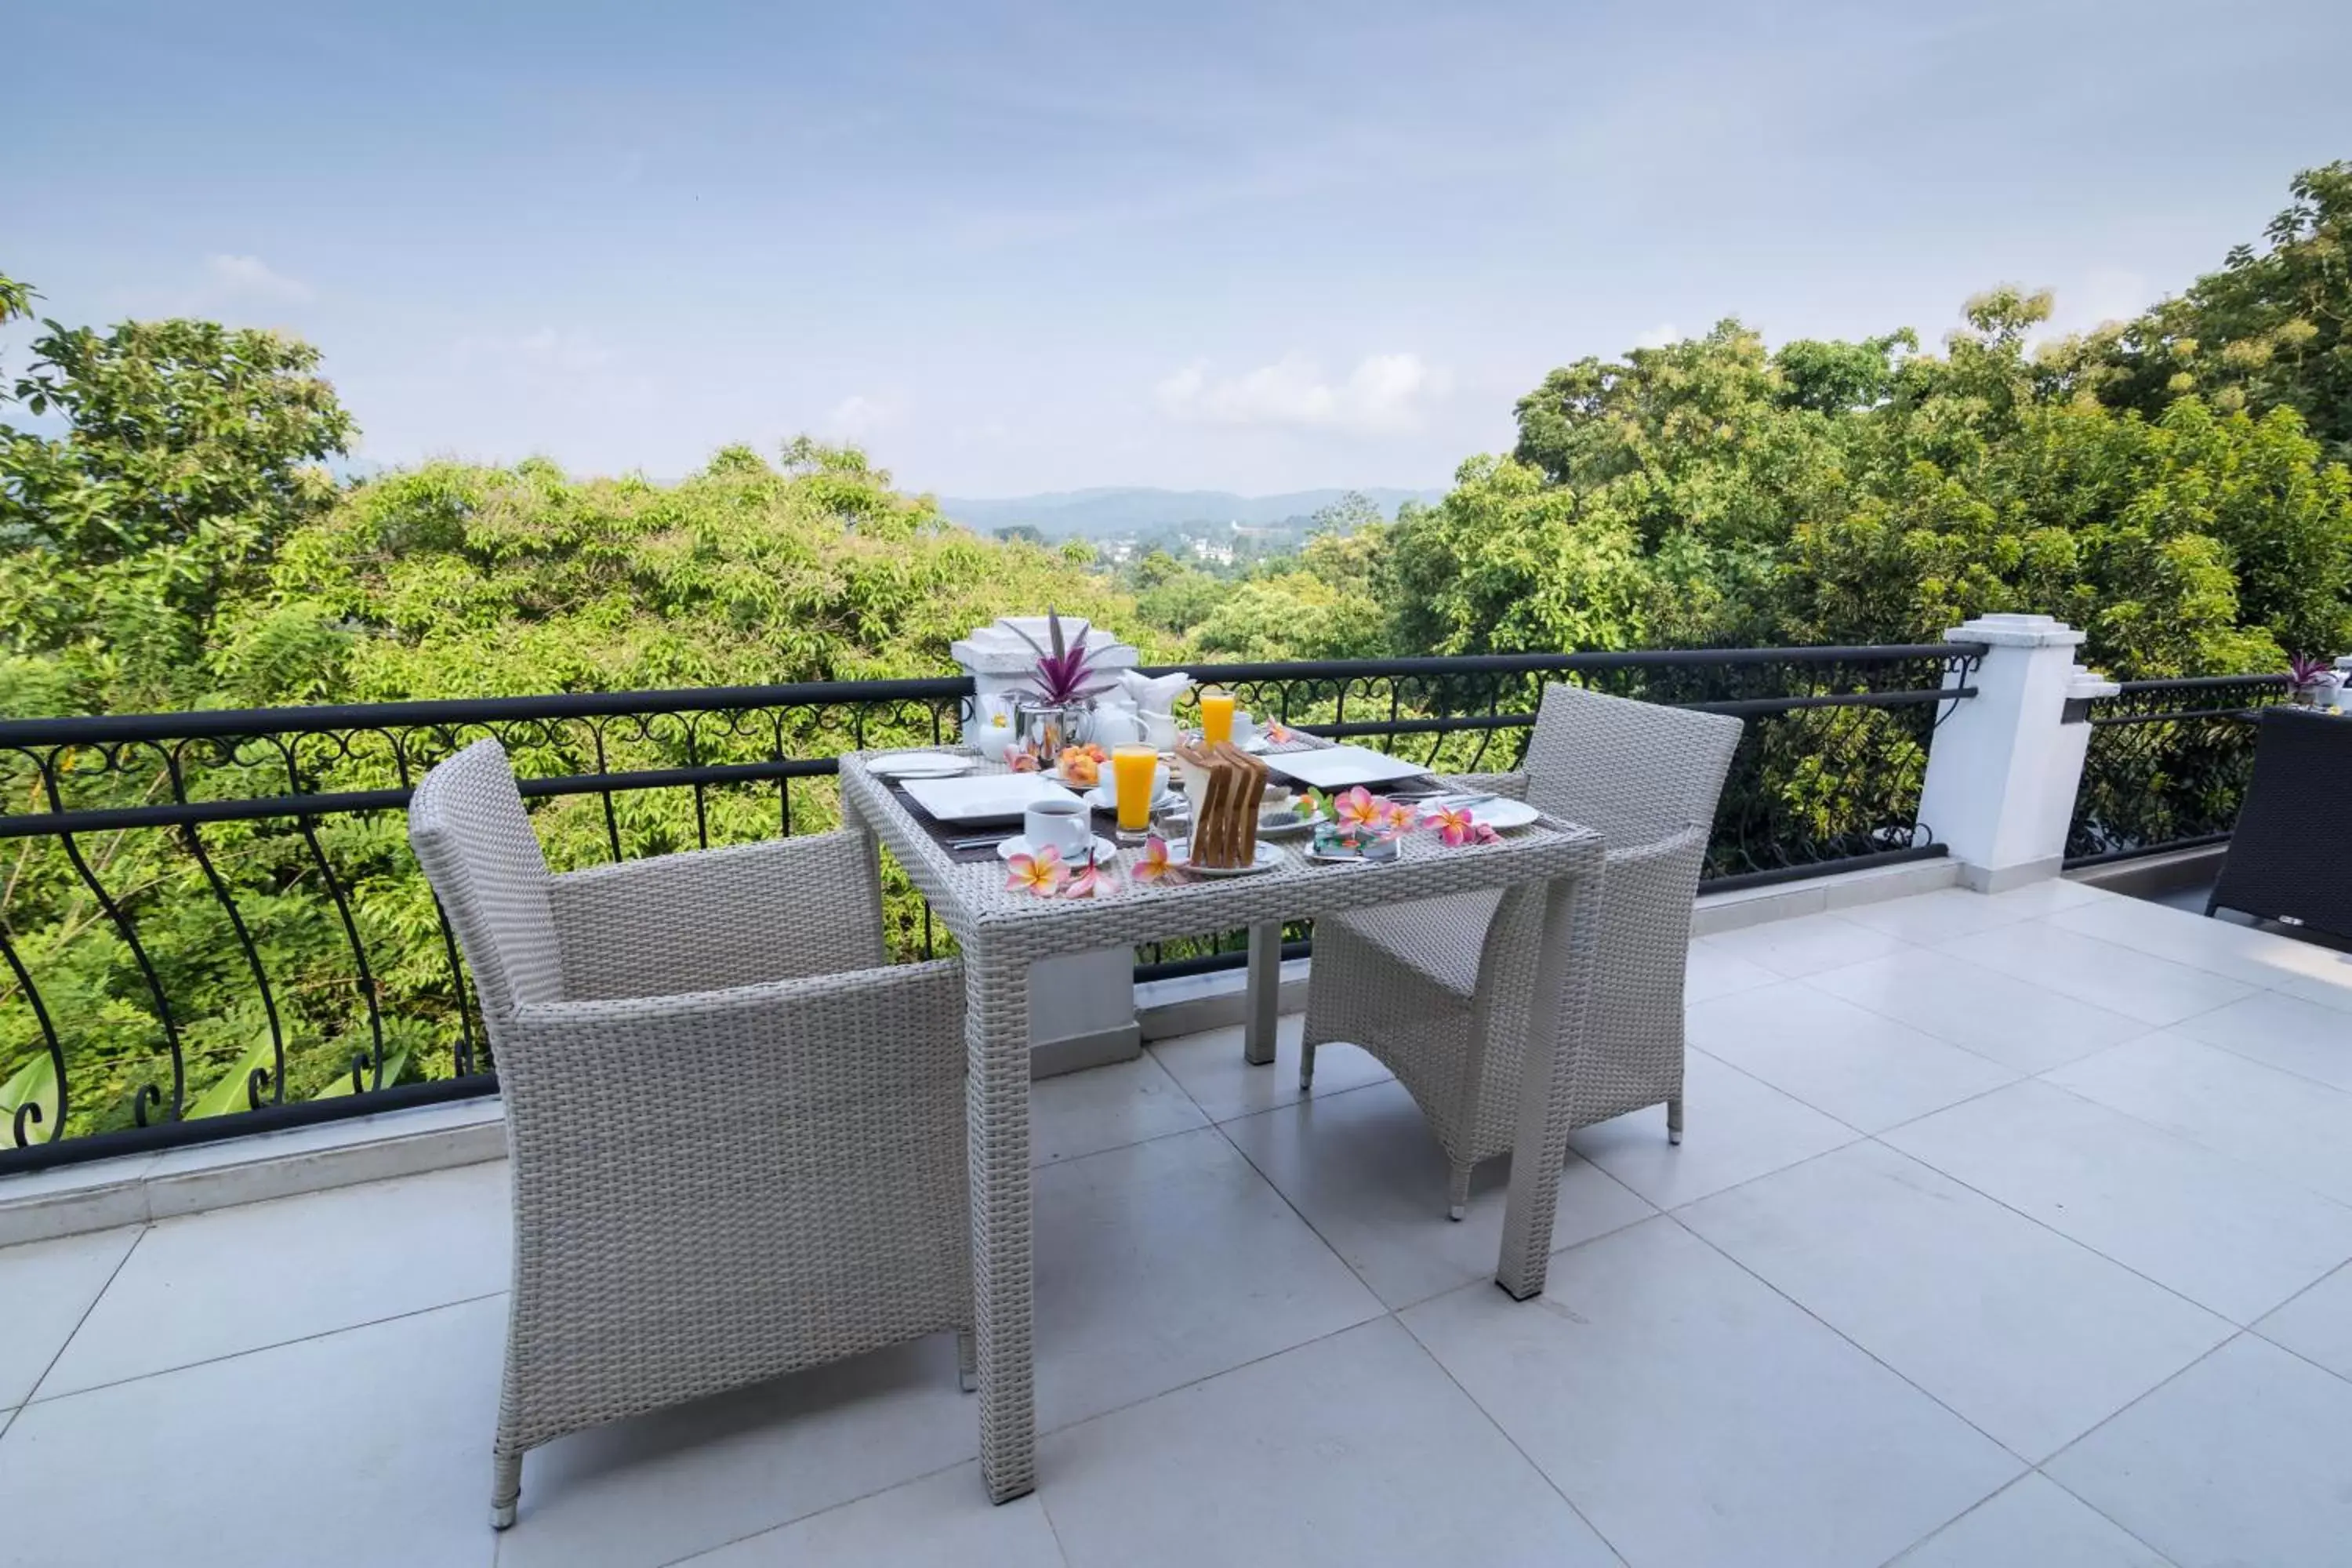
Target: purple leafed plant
{"type": "Point", "coordinates": [2304, 670]}
{"type": "Point", "coordinates": [1064, 676]}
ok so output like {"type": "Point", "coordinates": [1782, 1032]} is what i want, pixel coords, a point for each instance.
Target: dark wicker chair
{"type": "Point", "coordinates": [2288, 858]}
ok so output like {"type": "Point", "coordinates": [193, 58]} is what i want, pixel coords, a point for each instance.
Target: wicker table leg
{"type": "Point", "coordinates": [1564, 980]}
{"type": "Point", "coordinates": [996, 1099]}
{"type": "Point", "coordinates": [1264, 995]}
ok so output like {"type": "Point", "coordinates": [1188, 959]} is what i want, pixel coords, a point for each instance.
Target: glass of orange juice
{"type": "Point", "coordinates": [1216, 716]}
{"type": "Point", "coordinates": [1135, 771]}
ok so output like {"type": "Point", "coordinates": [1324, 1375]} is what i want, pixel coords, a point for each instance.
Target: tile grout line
{"type": "Point", "coordinates": [2042, 1469]}
{"type": "Point", "coordinates": [259, 1350]}
{"type": "Point", "coordinates": [2237, 1160]}
{"type": "Point", "coordinates": [113, 1274]}
{"type": "Point", "coordinates": [1862, 1349]}
{"type": "Point", "coordinates": [1503, 1432]}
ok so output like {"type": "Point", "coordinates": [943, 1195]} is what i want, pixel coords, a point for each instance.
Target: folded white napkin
{"type": "Point", "coordinates": [1154, 693]}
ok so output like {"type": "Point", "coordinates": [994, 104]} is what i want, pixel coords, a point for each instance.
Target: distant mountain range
{"type": "Point", "coordinates": [1108, 514]}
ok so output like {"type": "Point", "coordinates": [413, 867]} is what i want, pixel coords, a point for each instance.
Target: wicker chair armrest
{"type": "Point", "coordinates": [713, 919]}
{"type": "Point", "coordinates": [1511, 785]}
{"type": "Point", "coordinates": [1641, 883]}
{"type": "Point", "coordinates": [884, 1014]}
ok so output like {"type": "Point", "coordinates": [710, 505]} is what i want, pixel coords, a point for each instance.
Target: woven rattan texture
{"type": "Point", "coordinates": [1002, 931]}
{"type": "Point", "coordinates": [1393, 982]}
{"type": "Point", "coordinates": [711, 1187]}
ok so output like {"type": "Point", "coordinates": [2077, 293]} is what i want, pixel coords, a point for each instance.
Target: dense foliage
{"type": "Point", "coordinates": [2174, 485]}
{"type": "Point", "coordinates": [169, 539]}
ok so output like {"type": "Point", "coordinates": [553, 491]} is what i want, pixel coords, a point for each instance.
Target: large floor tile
{"type": "Point", "coordinates": [2219, 947]}
{"type": "Point", "coordinates": [2024, 1025]}
{"type": "Point", "coordinates": [1948, 912]}
{"type": "Point", "coordinates": [1368, 1173]}
{"type": "Point", "coordinates": [2282, 1031]}
{"type": "Point", "coordinates": [1695, 1417]}
{"type": "Point", "coordinates": [1714, 973]}
{"type": "Point", "coordinates": [2033, 1338]}
{"type": "Point", "coordinates": [1806, 944]}
{"type": "Point", "coordinates": [941, 1521]}
{"type": "Point", "coordinates": [650, 1491]}
{"type": "Point", "coordinates": [369, 1446]}
{"type": "Point", "coordinates": [1868, 1071]}
{"type": "Point", "coordinates": [2317, 1324]}
{"type": "Point", "coordinates": [2156, 991]}
{"type": "Point", "coordinates": [2287, 1125]}
{"type": "Point", "coordinates": [2330, 985]}
{"type": "Point", "coordinates": [2225, 1234]}
{"type": "Point", "coordinates": [236, 1280]}
{"type": "Point", "coordinates": [1168, 1262]}
{"type": "Point", "coordinates": [2035, 1523]}
{"type": "Point", "coordinates": [2241, 1459]}
{"type": "Point", "coordinates": [1735, 1129]}
{"type": "Point", "coordinates": [46, 1287]}
{"type": "Point", "coordinates": [1210, 1067]}
{"type": "Point", "coordinates": [1107, 1108]}
{"type": "Point", "coordinates": [1352, 1452]}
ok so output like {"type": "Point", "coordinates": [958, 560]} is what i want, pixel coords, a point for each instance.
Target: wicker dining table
{"type": "Point", "coordinates": [1002, 931]}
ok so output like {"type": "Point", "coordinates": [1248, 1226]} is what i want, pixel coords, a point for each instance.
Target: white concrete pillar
{"type": "Point", "coordinates": [1081, 1005]}
{"type": "Point", "coordinates": [2004, 765]}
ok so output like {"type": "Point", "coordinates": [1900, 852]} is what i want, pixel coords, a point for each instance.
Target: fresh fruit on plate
{"type": "Point", "coordinates": [1081, 765]}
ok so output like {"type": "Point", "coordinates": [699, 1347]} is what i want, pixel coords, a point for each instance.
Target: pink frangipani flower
{"type": "Point", "coordinates": [1153, 865]}
{"type": "Point", "coordinates": [1041, 873]}
{"type": "Point", "coordinates": [1457, 825]}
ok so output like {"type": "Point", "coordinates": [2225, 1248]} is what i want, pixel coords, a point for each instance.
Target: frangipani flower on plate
{"type": "Point", "coordinates": [1019, 759]}
{"type": "Point", "coordinates": [1457, 825]}
{"type": "Point", "coordinates": [1280, 734]}
{"type": "Point", "coordinates": [1401, 817]}
{"type": "Point", "coordinates": [1041, 873]}
{"type": "Point", "coordinates": [1153, 865]}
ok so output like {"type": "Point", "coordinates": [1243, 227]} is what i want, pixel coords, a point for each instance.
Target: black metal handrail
{"type": "Point", "coordinates": [160, 859]}
{"type": "Point", "coordinates": [2167, 765]}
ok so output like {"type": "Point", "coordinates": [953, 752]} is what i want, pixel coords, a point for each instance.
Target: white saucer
{"type": "Point", "coordinates": [1268, 857]}
{"type": "Point", "coordinates": [1105, 850]}
{"type": "Point", "coordinates": [1498, 814]}
{"type": "Point", "coordinates": [1303, 824]}
{"type": "Point", "coordinates": [920, 766]}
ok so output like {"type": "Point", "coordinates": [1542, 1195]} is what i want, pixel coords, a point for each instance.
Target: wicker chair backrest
{"type": "Point", "coordinates": [467, 824]}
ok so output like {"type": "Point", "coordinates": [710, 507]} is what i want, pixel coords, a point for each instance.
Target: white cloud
{"type": "Point", "coordinates": [858, 417]}
{"type": "Point", "coordinates": [252, 277]}
{"type": "Point", "coordinates": [1659, 336]}
{"type": "Point", "coordinates": [546, 351]}
{"type": "Point", "coordinates": [1384, 392]}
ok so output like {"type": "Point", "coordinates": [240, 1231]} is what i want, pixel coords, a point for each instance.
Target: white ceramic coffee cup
{"type": "Point", "coordinates": [1244, 728]}
{"type": "Point", "coordinates": [1110, 784]}
{"type": "Point", "coordinates": [1065, 824]}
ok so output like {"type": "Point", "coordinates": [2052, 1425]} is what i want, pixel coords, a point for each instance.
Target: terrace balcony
{"type": "Point", "coordinates": [2010, 1226]}
{"type": "Point", "coordinates": [2008, 1229]}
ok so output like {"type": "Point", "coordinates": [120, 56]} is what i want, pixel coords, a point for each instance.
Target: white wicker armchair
{"type": "Point", "coordinates": [737, 1138]}
{"type": "Point", "coordinates": [1439, 991]}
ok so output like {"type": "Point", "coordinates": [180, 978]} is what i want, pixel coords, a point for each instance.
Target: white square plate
{"type": "Point", "coordinates": [1337, 767]}
{"type": "Point", "coordinates": [996, 797]}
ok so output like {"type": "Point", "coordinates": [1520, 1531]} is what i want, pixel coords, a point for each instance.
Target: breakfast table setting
{"type": "Point", "coordinates": [1055, 846]}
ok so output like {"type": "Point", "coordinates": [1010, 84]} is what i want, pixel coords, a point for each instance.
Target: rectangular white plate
{"type": "Point", "coordinates": [997, 798]}
{"type": "Point", "coordinates": [1337, 767]}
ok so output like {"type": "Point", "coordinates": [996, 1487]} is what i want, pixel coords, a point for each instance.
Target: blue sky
{"type": "Point", "coordinates": [1024, 248]}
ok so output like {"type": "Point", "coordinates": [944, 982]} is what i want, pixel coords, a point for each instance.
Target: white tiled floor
{"type": "Point", "coordinates": [2007, 1231]}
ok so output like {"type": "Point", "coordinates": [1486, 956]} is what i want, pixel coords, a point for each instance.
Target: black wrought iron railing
{"type": "Point", "coordinates": [211, 923]}
{"type": "Point", "coordinates": [2167, 765]}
